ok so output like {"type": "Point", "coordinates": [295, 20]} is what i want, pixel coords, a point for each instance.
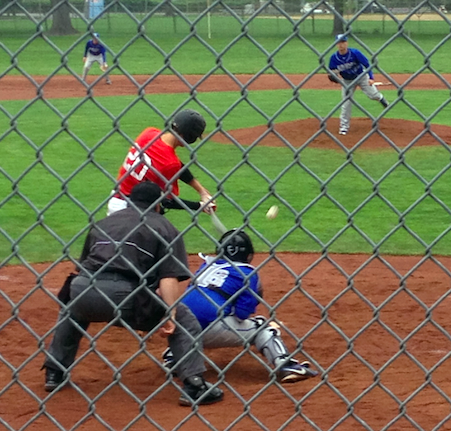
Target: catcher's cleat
{"type": "Point", "coordinates": [293, 372]}
{"type": "Point", "coordinates": [53, 379]}
{"type": "Point", "coordinates": [198, 391]}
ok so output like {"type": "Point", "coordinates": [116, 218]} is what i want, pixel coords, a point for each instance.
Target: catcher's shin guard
{"type": "Point", "coordinates": [269, 343]}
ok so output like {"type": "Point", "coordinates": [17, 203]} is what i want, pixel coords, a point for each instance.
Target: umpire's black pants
{"type": "Point", "coordinates": [97, 302]}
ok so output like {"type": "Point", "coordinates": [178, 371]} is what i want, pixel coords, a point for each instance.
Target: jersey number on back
{"type": "Point", "coordinates": [137, 163]}
{"type": "Point", "coordinates": [213, 276]}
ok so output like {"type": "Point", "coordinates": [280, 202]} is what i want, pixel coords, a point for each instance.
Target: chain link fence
{"type": "Point", "coordinates": [148, 24]}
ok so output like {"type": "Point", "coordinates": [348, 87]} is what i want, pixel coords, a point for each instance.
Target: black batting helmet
{"type": "Point", "coordinates": [236, 245]}
{"type": "Point", "coordinates": [189, 124]}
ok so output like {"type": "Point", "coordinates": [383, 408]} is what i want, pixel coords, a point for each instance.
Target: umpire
{"type": "Point", "coordinates": [129, 270]}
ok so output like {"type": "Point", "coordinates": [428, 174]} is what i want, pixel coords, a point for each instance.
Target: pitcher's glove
{"type": "Point", "coordinates": [333, 78]}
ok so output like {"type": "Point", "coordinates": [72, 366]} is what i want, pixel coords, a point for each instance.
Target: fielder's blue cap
{"type": "Point", "coordinates": [96, 35]}
{"type": "Point", "coordinates": [341, 38]}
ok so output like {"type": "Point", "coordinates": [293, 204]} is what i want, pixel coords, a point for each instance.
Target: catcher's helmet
{"type": "Point", "coordinates": [236, 245]}
{"type": "Point", "coordinates": [189, 124]}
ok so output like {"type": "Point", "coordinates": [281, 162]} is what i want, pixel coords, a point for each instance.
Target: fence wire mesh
{"type": "Point", "coordinates": [218, 29]}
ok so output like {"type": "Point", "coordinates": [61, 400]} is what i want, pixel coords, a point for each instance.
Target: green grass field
{"type": "Point", "coordinates": [290, 46]}
{"type": "Point", "coordinates": [354, 213]}
{"type": "Point", "coordinates": [60, 157]}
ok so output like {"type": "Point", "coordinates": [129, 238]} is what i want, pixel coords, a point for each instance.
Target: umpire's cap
{"type": "Point", "coordinates": [237, 246]}
{"type": "Point", "coordinates": [144, 194]}
{"type": "Point", "coordinates": [341, 38]}
{"type": "Point", "coordinates": [189, 124]}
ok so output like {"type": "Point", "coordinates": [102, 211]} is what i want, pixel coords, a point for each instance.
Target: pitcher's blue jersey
{"type": "Point", "coordinates": [350, 65]}
{"type": "Point", "coordinates": [95, 49]}
{"type": "Point", "coordinates": [215, 282]}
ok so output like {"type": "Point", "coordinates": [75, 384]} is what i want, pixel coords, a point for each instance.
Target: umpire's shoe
{"type": "Point", "coordinates": [198, 391]}
{"type": "Point", "coordinates": [53, 378]}
{"type": "Point", "coordinates": [293, 372]}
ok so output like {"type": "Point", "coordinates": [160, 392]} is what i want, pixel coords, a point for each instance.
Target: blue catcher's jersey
{"type": "Point", "coordinates": [95, 49]}
{"type": "Point", "coordinates": [350, 65]}
{"type": "Point", "coordinates": [214, 283]}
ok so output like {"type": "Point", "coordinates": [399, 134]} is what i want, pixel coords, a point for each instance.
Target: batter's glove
{"type": "Point", "coordinates": [207, 204]}
{"type": "Point", "coordinates": [333, 78]}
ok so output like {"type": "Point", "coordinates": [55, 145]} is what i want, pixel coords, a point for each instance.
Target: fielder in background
{"type": "Point", "coordinates": [153, 158]}
{"type": "Point", "coordinates": [354, 69]}
{"type": "Point", "coordinates": [95, 52]}
{"type": "Point", "coordinates": [129, 273]}
{"type": "Point", "coordinates": [223, 295]}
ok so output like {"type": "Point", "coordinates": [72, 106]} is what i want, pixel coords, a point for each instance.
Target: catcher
{"type": "Point", "coordinates": [95, 52]}
{"type": "Point", "coordinates": [354, 69]}
{"type": "Point", "coordinates": [223, 295]}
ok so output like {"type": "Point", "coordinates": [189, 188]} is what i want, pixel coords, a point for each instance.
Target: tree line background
{"type": "Point", "coordinates": [61, 12]}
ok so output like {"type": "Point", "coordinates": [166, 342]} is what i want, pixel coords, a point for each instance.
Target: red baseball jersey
{"type": "Point", "coordinates": [150, 159]}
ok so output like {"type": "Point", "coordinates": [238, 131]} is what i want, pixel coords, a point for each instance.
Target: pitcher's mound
{"type": "Point", "coordinates": [363, 134]}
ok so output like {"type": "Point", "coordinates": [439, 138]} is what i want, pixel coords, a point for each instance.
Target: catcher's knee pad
{"type": "Point", "coordinates": [259, 320]}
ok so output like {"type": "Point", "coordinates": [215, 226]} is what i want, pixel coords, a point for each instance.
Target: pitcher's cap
{"type": "Point", "coordinates": [341, 38]}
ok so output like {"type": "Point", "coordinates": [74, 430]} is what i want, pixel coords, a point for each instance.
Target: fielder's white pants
{"type": "Point", "coordinates": [347, 92]}
{"type": "Point", "coordinates": [90, 59]}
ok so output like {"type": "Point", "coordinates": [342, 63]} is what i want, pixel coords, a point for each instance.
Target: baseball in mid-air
{"type": "Point", "coordinates": [272, 212]}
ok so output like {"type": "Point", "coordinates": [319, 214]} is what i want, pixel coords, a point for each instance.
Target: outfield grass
{"type": "Point", "coordinates": [388, 209]}
{"type": "Point", "coordinates": [266, 46]}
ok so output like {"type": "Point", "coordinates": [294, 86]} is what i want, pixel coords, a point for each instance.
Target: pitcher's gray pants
{"type": "Point", "coordinates": [347, 92]}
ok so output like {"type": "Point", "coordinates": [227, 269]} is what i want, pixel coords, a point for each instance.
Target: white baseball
{"type": "Point", "coordinates": [272, 212]}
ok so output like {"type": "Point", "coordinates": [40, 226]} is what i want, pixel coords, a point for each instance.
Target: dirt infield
{"type": "Point", "coordinates": [379, 339]}
{"type": "Point", "coordinates": [381, 320]}
{"type": "Point", "coordinates": [61, 86]}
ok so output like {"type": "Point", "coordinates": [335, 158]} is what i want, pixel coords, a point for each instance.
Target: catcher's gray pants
{"type": "Point", "coordinates": [99, 304]}
{"type": "Point", "coordinates": [233, 332]}
{"type": "Point", "coordinates": [347, 92]}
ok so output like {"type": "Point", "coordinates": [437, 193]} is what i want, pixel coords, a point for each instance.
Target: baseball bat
{"type": "Point", "coordinates": [217, 223]}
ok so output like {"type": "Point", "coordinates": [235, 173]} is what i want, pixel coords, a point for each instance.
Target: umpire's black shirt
{"type": "Point", "coordinates": [136, 245]}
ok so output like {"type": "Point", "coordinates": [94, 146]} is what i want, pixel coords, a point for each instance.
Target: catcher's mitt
{"type": "Point", "coordinates": [104, 67]}
{"type": "Point", "coordinates": [333, 78]}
